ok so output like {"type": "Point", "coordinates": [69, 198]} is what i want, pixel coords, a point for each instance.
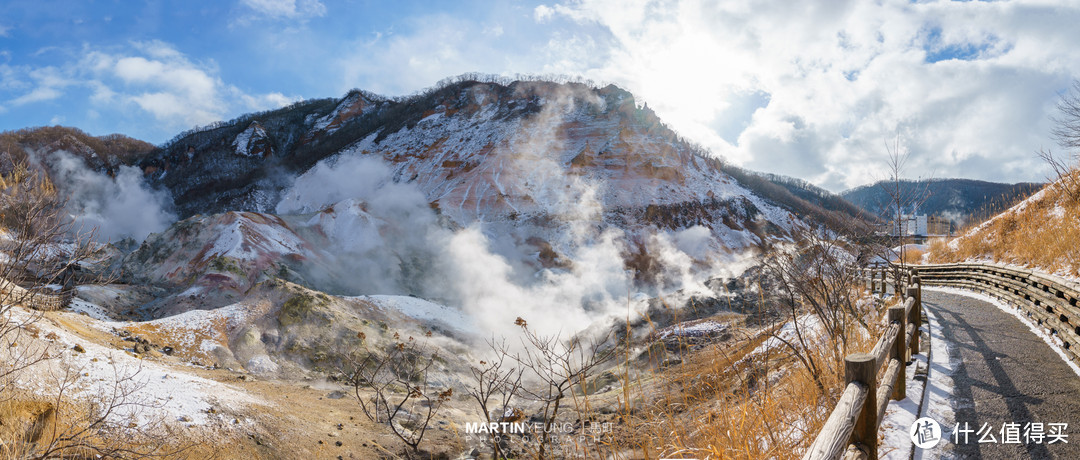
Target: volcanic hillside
{"type": "Point", "coordinates": [534, 183]}
{"type": "Point", "coordinates": [103, 153]}
{"type": "Point", "coordinates": [478, 151]}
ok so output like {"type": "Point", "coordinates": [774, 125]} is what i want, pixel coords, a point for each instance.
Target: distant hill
{"type": "Point", "coordinates": [958, 200]}
{"type": "Point", "coordinates": [1039, 232]}
{"type": "Point", "coordinates": [102, 153]}
{"type": "Point", "coordinates": [804, 199]}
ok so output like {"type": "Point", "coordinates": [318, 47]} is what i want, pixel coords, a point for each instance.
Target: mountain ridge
{"type": "Point", "coordinates": [956, 199]}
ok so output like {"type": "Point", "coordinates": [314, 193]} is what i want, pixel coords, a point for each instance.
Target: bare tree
{"type": "Point", "coordinates": [900, 199]}
{"type": "Point", "coordinates": [816, 274]}
{"type": "Point", "coordinates": [111, 423]}
{"type": "Point", "coordinates": [32, 256]}
{"type": "Point", "coordinates": [1066, 132]}
{"type": "Point", "coordinates": [398, 377]}
{"type": "Point", "coordinates": [497, 379]}
{"type": "Point", "coordinates": [40, 249]}
{"type": "Point", "coordinates": [559, 366]}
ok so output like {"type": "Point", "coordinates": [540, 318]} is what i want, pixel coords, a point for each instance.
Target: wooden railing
{"type": "Point", "coordinates": [1050, 301]}
{"type": "Point", "coordinates": [36, 299]}
{"type": "Point", "coordinates": [880, 276]}
{"type": "Point", "coordinates": [851, 429]}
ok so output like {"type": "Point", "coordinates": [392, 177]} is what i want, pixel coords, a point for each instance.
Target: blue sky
{"type": "Point", "coordinates": [809, 89]}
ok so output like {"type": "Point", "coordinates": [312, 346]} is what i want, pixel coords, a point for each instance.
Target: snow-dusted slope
{"type": "Point", "coordinates": [548, 154]}
{"type": "Point", "coordinates": [1039, 232]}
{"type": "Point", "coordinates": [527, 152]}
{"type": "Point", "coordinates": [535, 196]}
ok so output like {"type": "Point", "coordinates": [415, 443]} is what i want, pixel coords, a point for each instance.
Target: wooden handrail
{"type": "Point", "coordinates": [1050, 301]}
{"type": "Point", "coordinates": [851, 429]}
{"type": "Point", "coordinates": [33, 298]}
{"type": "Point", "coordinates": [834, 437]}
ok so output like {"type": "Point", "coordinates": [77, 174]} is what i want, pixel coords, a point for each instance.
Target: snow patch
{"type": "Point", "coordinates": [422, 310]}
{"type": "Point", "coordinates": [244, 142]}
{"type": "Point", "coordinates": [160, 393]}
{"type": "Point", "coordinates": [90, 309]}
{"type": "Point", "coordinates": [811, 327]}
{"type": "Point", "coordinates": [701, 329]}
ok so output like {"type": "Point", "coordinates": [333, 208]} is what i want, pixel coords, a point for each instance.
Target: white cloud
{"type": "Point", "coordinates": [266, 101]}
{"type": "Point", "coordinates": [5, 31]}
{"type": "Point", "coordinates": [813, 89]}
{"type": "Point", "coordinates": [39, 94]}
{"type": "Point", "coordinates": [150, 78]}
{"type": "Point", "coordinates": [48, 85]}
{"type": "Point", "coordinates": [402, 63]}
{"type": "Point", "coordinates": [494, 31]}
{"type": "Point", "coordinates": [159, 80]}
{"type": "Point", "coordinates": [165, 83]}
{"type": "Point", "coordinates": [542, 13]}
{"type": "Point", "coordinates": [286, 9]}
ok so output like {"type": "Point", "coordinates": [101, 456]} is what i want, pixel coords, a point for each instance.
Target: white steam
{"type": "Point", "coordinates": [957, 217]}
{"type": "Point", "coordinates": [343, 177]}
{"type": "Point", "coordinates": [117, 207]}
{"type": "Point", "coordinates": [488, 269]}
{"type": "Point", "coordinates": [565, 301]}
{"type": "Point", "coordinates": [378, 233]}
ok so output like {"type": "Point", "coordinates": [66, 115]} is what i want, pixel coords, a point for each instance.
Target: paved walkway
{"type": "Point", "coordinates": [1005, 373]}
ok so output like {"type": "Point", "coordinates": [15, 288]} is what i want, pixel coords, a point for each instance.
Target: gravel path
{"type": "Point", "coordinates": [1006, 374]}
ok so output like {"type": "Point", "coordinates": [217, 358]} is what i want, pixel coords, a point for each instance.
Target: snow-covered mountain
{"type": "Point", "coordinates": [483, 196]}
{"type": "Point", "coordinates": [527, 152]}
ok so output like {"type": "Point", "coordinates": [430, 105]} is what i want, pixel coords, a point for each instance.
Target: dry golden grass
{"type": "Point", "coordinates": [31, 427]}
{"type": "Point", "coordinates": [727, 402]}
{"type": "Point", "coordinates": [1043, 234]}
{"type": "Point", "coordinates": [912, 256]}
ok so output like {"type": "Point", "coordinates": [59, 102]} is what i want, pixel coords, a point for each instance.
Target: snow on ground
{"type": "Point", "coordinates": [700, 329]}
{"type": "Point", "coordinates": [198, 332]}
{"type": "Point", "coordinates": [243, 142]}
{"type": "Point", "coordinates": [894, 253]}
{"type": "Point", "coordinates": [901, 414]}
{"type": "Point", "coordinates": [912, 247]}
{"type": "Point", "coordinates": [90, 309]}
{"type": "Point", "coordinates": [194, 334]}
{"type": "Point", "coordinates": [810, 326]}
{"type": "Point", "coordinates": [693, 330]}
{"type": "Point", "coordinates": [159, 393]}
{"type": "Point", "coordinates": [936, 402]}
{"type": "Point", "coordinates": [247, 239]}
{"type": "Point", "coordinates": [422, 310]}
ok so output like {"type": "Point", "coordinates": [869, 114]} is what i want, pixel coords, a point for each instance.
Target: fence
{"type": "Point", "coordinates": [36, 298]}
{"type": "Point", "coordinates": [851, 429]}
{"type": "Point", "coordinates": [1049, 300]}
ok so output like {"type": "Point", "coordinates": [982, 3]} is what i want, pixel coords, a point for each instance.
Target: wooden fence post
{"type": "Point", "coordinates": [860, 367]}
{"type": "Point", "coordinates": [899, 351]}
{"type": "Point", "coordinates": [915, 316]}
